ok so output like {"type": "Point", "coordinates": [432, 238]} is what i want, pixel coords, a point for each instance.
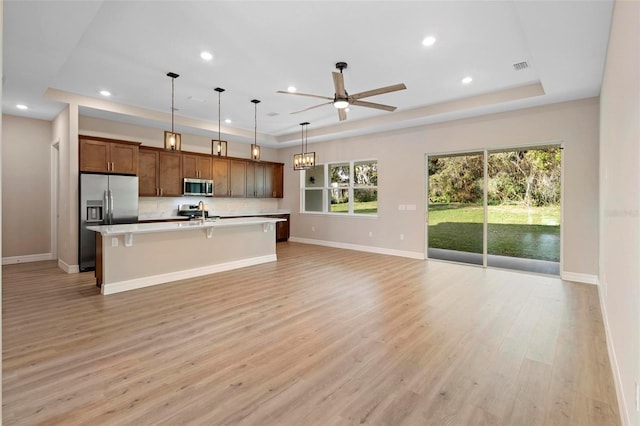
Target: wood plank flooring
{"type": "Point", "coordinates": [321, 337]}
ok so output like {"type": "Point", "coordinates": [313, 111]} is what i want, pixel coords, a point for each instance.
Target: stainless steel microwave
{"type": "Point", "coordinates": [202, 187]}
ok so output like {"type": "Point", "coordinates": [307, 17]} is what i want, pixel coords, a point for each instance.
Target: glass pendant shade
{"type": "Point", "coordinates": [255, 152]}
{"type": "Point", "coordinates": [172, 141]}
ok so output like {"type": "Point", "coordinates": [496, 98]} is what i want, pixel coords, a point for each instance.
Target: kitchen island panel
{"type": "Point", "coordinates": [165, 256]}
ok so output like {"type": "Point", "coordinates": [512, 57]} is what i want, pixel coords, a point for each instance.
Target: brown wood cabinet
{"type": "Point", "coordinates": [108, 156]}
{"type": "Point", "coordinates": [229, 177]}
{"type": "Point", "coordinates": [282, 228]}
{"type": "Point", "coordinates": [274, 180]}
{"type": "Point", "coordinates": [255, 180]}
{"type": "Point", "coordinates": [160, 173]}
{"type": "Point", "coordinates": [196, 166]}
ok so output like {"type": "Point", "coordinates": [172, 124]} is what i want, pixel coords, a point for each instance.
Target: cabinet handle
{"type": "Point", "coordinates": [161, 192]}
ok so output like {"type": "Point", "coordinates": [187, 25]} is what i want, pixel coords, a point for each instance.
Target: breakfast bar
{"type": "Point", "coordinates": [132, 256]}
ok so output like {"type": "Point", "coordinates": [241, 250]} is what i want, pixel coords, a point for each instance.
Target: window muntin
{"type": "Point", "coordinates": [342, 188]}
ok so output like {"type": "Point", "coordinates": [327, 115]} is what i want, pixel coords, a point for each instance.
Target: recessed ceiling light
{"type": "Point", "coordinates": [227, 120]}
{"type": "Point", "coordinates": [21, 106]}
{"type": "Point", "coordinates": [428, 41]}
{"type": "Point", "coordinates": [206, 56]}
{"type": "Point", "coordinates": [105, 93]}
{"type": "Point", "coordinates": [467, 80]}
{"type": "Point", "coordinates": [291, 89]}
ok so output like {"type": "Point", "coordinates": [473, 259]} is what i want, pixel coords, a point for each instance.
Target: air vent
{"type": "Point", "coordinates": [519, 66]}
{"type": "Point", "coordinates": [272, 114]}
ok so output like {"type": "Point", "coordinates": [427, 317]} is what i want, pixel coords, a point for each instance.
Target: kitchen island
{"type": "Point", "coordinates": [139, 255]}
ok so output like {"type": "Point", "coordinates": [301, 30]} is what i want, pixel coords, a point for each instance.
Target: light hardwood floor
{"type": "Point", "coordinates": [320, 337]}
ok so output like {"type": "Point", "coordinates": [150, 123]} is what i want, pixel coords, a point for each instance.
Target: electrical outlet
{"type": "Point", "coordinates": [313, 229]}
{"type": "Point", "coordinates": [401, 237]}
{"type": "Point", "coordinates": [370, 234]}
{"type": "Point", "coordinates": [114, 242]}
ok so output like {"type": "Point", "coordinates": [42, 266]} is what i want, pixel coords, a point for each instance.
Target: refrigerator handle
{"type": "Point", "coordinates": [111, 204]}
{"type": "Point", "coordinates": [106, 207]}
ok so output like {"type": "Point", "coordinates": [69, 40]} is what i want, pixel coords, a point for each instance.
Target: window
{"type": "Point", "coordinates": [344, 188]}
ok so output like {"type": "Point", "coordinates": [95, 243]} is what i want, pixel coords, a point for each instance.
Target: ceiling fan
{"type": "Point", "coordinates": [341, 99]}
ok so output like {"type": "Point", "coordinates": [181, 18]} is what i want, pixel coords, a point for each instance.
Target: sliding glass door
{"type": "Point", "coordinates": [496, 208]}
{"type": "Point", "coordinates": [456, 212]}
{"type": "Point", "coordinates": [523, 214]}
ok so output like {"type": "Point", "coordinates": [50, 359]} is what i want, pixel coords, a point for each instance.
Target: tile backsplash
{"type": "Point", "coordinates": [166, 207]}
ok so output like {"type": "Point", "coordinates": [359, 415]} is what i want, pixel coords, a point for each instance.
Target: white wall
{"type": "Point", "coordinates": [402, 177]}
{"type": "Point", "coordinates": [26, 176]}
{"type": "Point", "coordinates": [620, 202]}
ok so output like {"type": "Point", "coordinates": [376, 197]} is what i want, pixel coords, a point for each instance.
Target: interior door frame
{"type": "Point", "coordinates": [486, 152]}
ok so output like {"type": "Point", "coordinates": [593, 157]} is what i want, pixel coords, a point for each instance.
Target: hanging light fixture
{"type": "Point", "coordinates": [304, 160]}
{"type": "Point", "coordinates": [219, 147]}
{"type": "Point", "coordinates": [172, 140]}
{"type": "Point", "coordinates": [255, 148]}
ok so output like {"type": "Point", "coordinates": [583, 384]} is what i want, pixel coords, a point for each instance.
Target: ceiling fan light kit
{"type": "Point", "coordinates": [341, 100]}
{"type": "Point", "coordinates": [172, 140]}
{"type": "Point", "coordinates": [304, 160]}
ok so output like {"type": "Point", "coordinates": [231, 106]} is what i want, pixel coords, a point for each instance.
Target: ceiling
{"type": "Point", "coordinates": [260, 47]}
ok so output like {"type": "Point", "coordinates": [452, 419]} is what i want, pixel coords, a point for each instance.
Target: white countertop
{"type": "Point", "coordinates": [145, 228]}
{"type": "Point", "coordinates": [228, 213]}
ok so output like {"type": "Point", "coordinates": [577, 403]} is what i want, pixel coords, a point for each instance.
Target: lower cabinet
{"type": "Point", "coordinates": [282, 228]}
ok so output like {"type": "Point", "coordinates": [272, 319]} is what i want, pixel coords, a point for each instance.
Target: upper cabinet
{"type": "Point", "coordinates": [256, 180]}
{"type": "Point", "coordinates": [229, 177]}
{"type": "Point", "coordinates": [196, 166]}
{"type": "Point", "coordinates": [160, 173]}
{"type": "Point", "coordinates": [108, 156]}
{"type": "Point", "coordinates": [274, 180]}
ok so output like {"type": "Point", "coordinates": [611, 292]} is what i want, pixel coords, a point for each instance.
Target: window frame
{"type": "Point", "coordinates": [326, 188]}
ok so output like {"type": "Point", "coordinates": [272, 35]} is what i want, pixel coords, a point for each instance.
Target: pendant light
{"type": "Point", "coordinates": [255, 148]}
{"type": "Point", "coordinates": [304, 160]}
{"type": "Point", "coordinates": [219, 147]}
{"type": "Point", "coordinates": [172, 140]}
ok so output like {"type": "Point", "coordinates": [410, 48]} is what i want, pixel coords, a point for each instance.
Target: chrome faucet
{"type": "Point", "coordinates": [201, 208]}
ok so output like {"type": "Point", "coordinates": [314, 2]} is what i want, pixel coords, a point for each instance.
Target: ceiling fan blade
{"type": "Point", "coordinates": [372, 105]}
{"type": "Point", "coordinates": [342, 114]}
{"type": "Point", "coordinates": [305, 94]}
{"type": "Point", "coordinates": [338, 83]}
{"type": "Point", "coordinates": [312, 107]}
{"type": "Point", "coordinates": [379, 91]}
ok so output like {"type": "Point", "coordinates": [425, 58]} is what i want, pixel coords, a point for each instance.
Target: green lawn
{"type": "Point", "coordinates": [516, 231]}
{"type": "Point", "coordinates": [366, 207]}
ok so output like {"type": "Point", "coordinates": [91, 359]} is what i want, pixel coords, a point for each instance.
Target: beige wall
{"type": "Point", "coordinates": [402, 177]}
{"type": "Point", "coordinates": [150, 136]}
{"type": "Point", "coordinates": [620, 202]}
{"type": "Point", "coordinates": [26, 186]}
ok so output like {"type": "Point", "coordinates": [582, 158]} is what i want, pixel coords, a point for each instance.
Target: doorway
{"type": "Point", "coordinates": [499, 208]}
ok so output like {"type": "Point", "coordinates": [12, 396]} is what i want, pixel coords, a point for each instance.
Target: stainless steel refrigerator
{"type": "Point", "coordinates": [104, 200]}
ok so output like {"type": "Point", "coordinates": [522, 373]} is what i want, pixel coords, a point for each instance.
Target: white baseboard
{"type": "Point", "coordinates": [120, 286]}
{"type": "Point", "coordinates": [580, 278]}
{"type": "Point", "coordinates": [69, 269]}
{"type": "Point", "coordinates": [357, 247]}
{"type": "Point", "coordinates": [615, 369]}
{"type": "Point", "coordinates": [26, 258]}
